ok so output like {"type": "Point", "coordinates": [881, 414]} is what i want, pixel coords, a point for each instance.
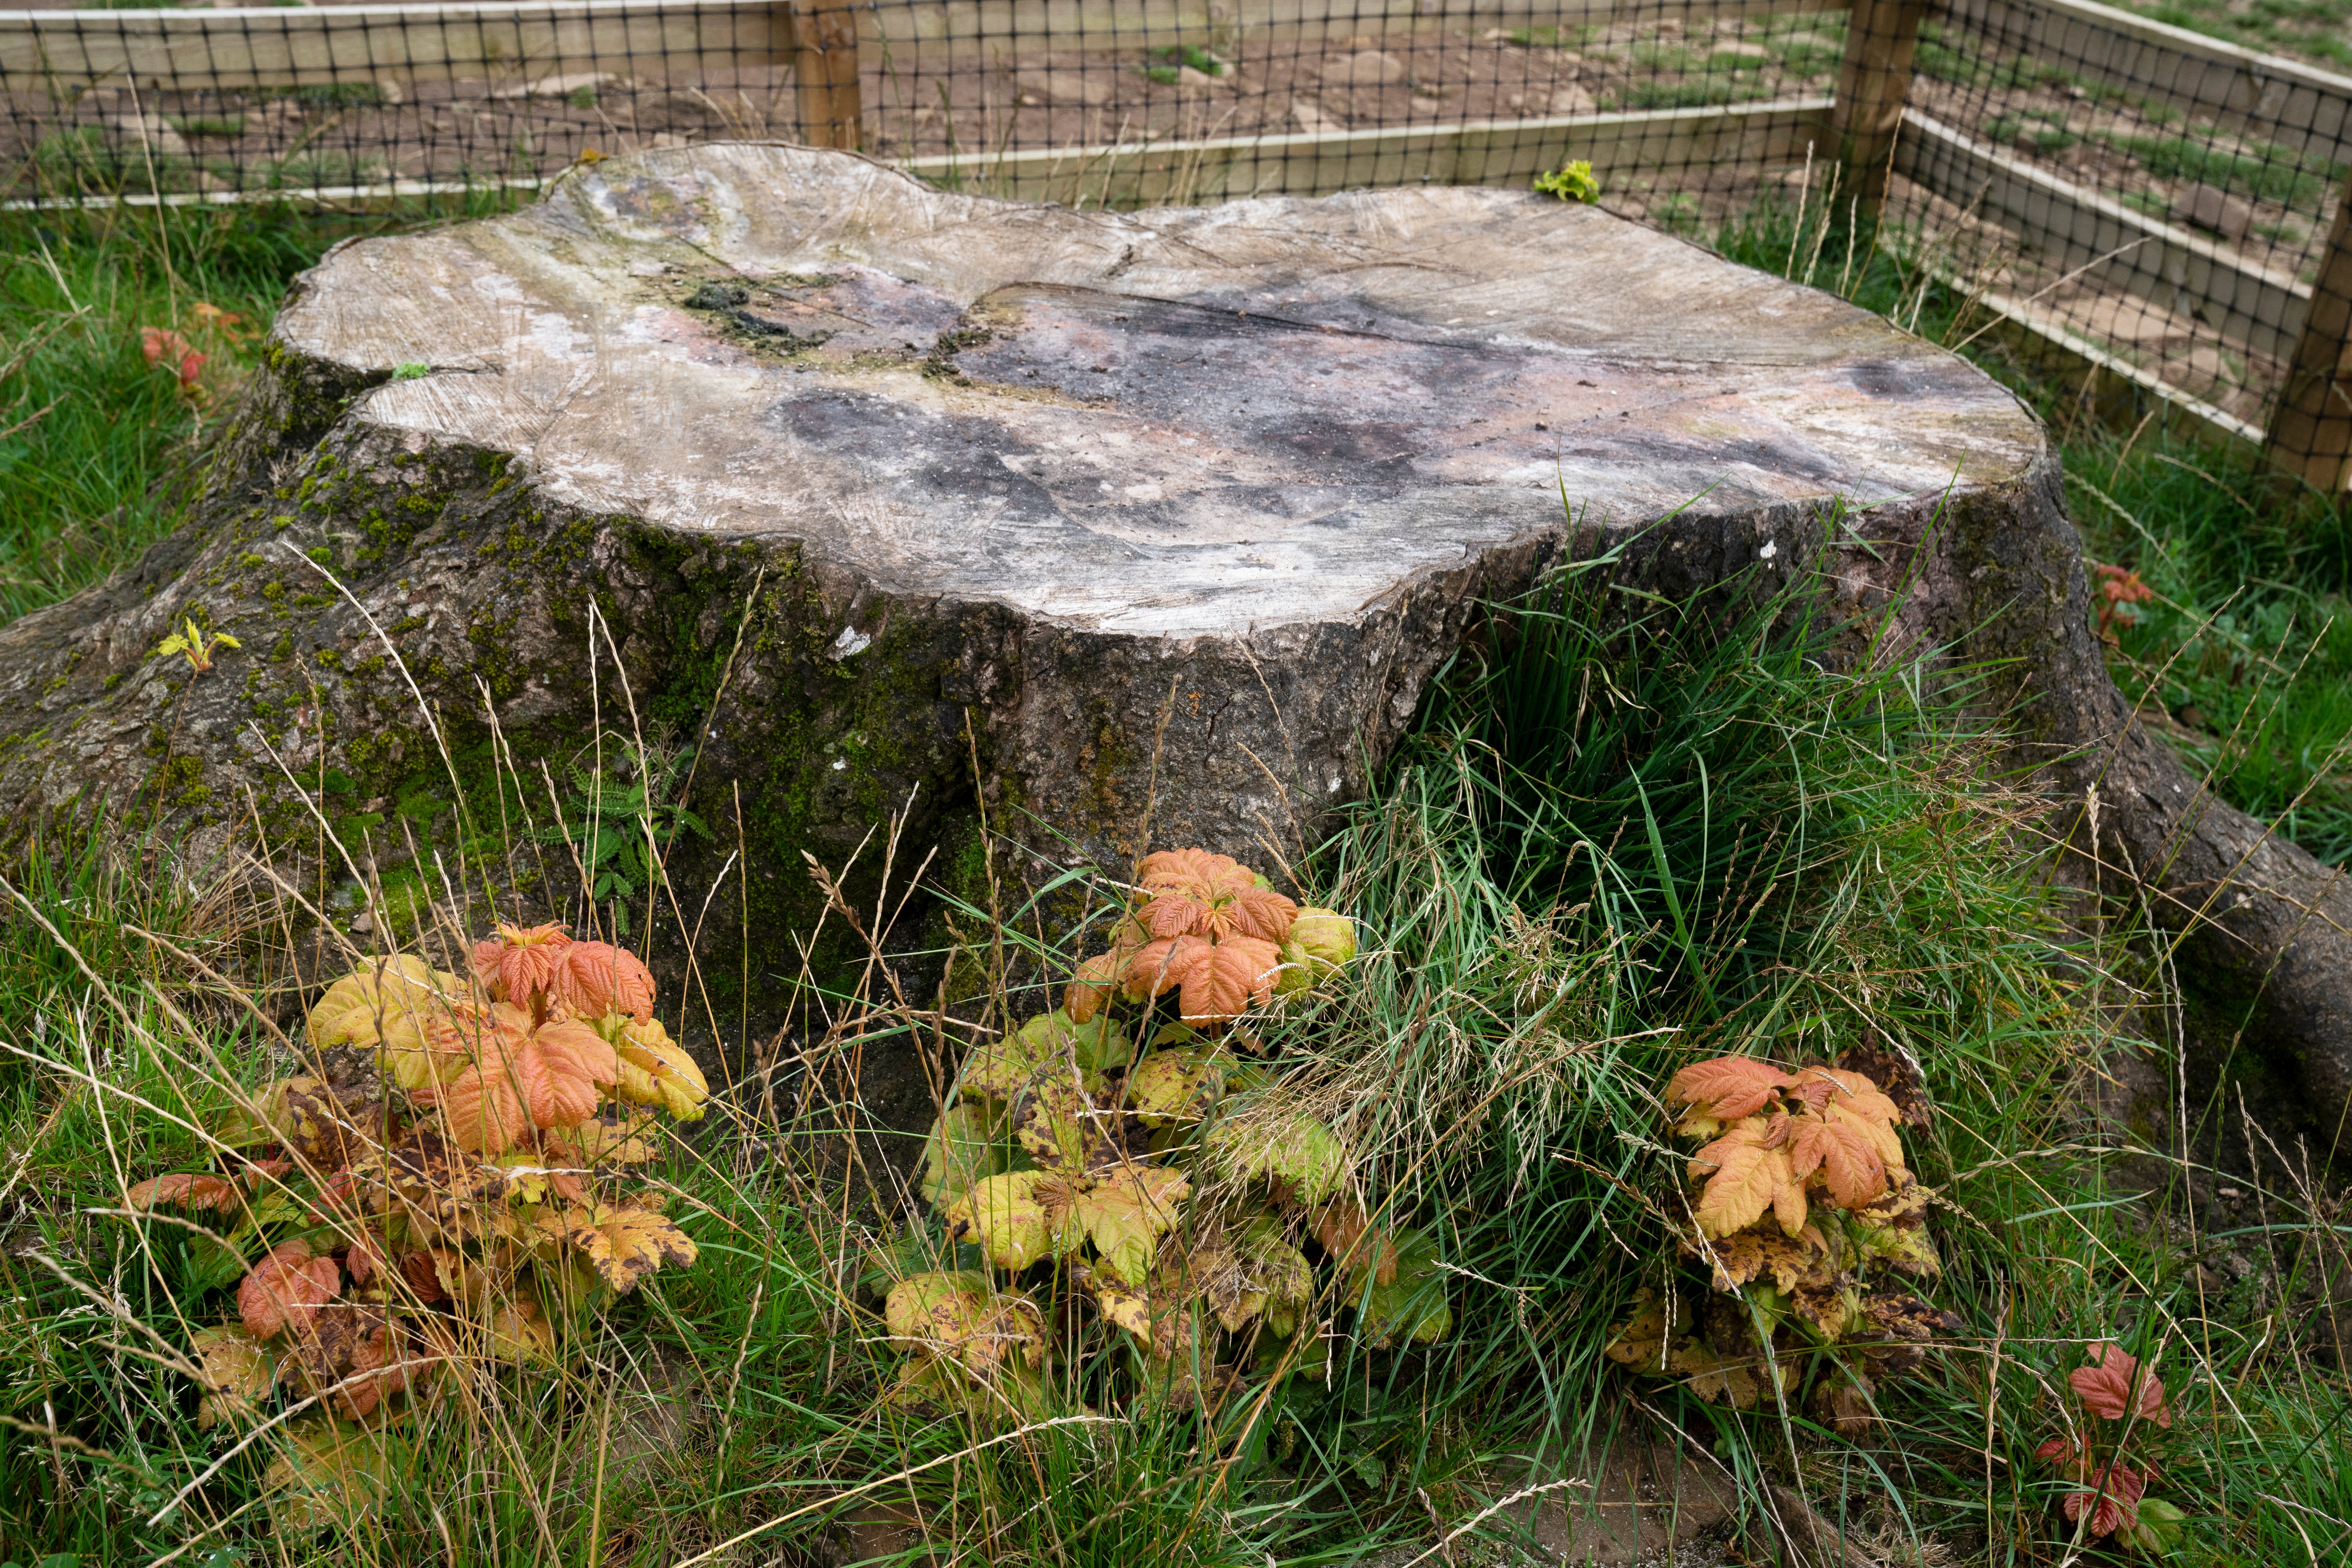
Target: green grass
{"type": "Point", "coordinates": [97, 430]}
{"type": "Point", "coordinates": [2264, 170]}
{"type": "Point", "coordinates": [2313, 29]}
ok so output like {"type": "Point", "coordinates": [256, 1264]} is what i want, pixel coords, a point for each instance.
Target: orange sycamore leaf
{"type": "Point", "coordinates": [521, 962]}
{"type": "Point", "coordinates": [593, 978]}
{"type": "Point", "coordinates": [1727, 1088]}
{"type": "Point", "coordinates": [1215, 980]}
{"type": "Point", "coordinates": [1348, 1234]}
{"type": "Point", "coordinates": [1193, 892]}
{"type": "Point", "coordinates": [1849, 1161]}
{"type": "Point", "coordinates": [286, 1289]}
{"type": "Point", "coordinates": [188, 1192]}
{"type": "Point", "coordinates": [1853, 1092]}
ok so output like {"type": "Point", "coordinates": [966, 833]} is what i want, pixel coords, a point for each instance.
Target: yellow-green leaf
{"type": "Point", "coordinates": [1070, 1131]}
{"type": "Point", "coordinates": [1051, 1041]}
{"type": "Point", "coordinates": [960, 1315]}
{"type": "Point", "coordinates": [1125, 1212]}
{"type": "Point", "coordinates": [1122, 1304]}
{"type": "Point", "coordinates": [1004, 1216]}
{"type": "Point", "coordinates": [1179, 1086]}
{"type": "Point", "coordinates": [237, 1369]}
{"type": "Point", "coordinates": [330, 1473]}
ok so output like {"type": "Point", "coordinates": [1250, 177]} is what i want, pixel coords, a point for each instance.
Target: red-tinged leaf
{"type": "Point", "coordinates": [286, 1289]}
{"type": "Point", "coordinates": [1263, 913]}
{"type": "Point", "coordinates": [1097, 977]}
{"type": "Point", "coordinates": [258, 1171]}
{"type": "Point", "coordinates": [594, 978]}
{"type": "Point", "coordinates": [1849, 1162]}
{"type": "Point", "coordinates": [1158, 967]}
{"type": "Point", "coordinates": [1193, 892]}
{"type": "Point", "coordinates": [1225, 979]}
{"type": "Point", "coordinates": [1727, 1088]}
{"type": "Point", "coordinates": [1348, 1234]}
{"type": "Point", "coordinates": [423, 1272]}
{"type": "Point", "coordinates": [2058, 1449]}
{"type": "Point", "coordinates": [187, 1191]}
{"type": "Point", "coordinates": [1852, 1091]}
{"type": "Point", "coordinates": [521, 963]}
{"type": "Point", "coordinates": [2114, 1387]}
{"type": "Point", "coordinates": [2114, 1505]}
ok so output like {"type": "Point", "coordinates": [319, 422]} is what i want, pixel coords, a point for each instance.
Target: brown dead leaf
{"type": "Point", "coordinates": [1760, 1252]}
{"type": "Point", "coordinates": [1898, 1331]}
{"type": "Point", "coordinates": [1344, 1230]}
{"type": "Point", "coordinates": [1639, 1341]}
{"type": "Point", "coordinates": [1842, 1403]}
{"type": "Point", "coordinates": [1714, 1379]}
{"type": "Point", "coordinates": [315, 1123]}
{"type": "Point", "coordinates": [1896, 1076]}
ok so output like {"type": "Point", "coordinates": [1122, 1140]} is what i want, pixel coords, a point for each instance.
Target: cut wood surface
{"type": "Point", "coordinates": [1122, 528]}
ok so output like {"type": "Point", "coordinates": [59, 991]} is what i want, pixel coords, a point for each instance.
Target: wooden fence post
{"type": "Point", "coordinates": [1873, 80]}
{"type": "Point", "coordinates": [824, 72]}
{"type": "Point", "coordinates": [2311, 433]}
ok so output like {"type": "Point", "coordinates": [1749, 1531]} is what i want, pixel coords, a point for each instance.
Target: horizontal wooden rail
{"type": "Point", "coordinates": [2248, 306]}
{"type": "Point", "coordinates": [2295, 105]}
{"type": "Point", "coordinates": [315, 45]}
{"type": "Point", "coordinates": [1473, 153]}
{"type": "Point", "coordinates": [1080, 25]}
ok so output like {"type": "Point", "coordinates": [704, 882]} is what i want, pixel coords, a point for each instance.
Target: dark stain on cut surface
{"type": "Point", "coordinates": [1325, 401]}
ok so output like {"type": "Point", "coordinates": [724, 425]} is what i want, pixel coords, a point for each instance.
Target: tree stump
{"type": "Point", "coordinates": [1120, 527]}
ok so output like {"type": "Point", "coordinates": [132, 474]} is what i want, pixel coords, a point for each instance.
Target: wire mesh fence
{"type": "Point", "coordinates": [2162, 204]}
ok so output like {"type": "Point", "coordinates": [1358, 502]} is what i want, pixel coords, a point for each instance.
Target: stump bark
{"type": "Point", "coordinates": [1116, 526]}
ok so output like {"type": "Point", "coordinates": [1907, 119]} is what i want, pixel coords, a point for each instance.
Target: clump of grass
{"type": "Point", "coordinates": [2243, 658]}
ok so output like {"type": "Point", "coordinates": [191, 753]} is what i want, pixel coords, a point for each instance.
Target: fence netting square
{"type": "Point", "coordinates": [2157, 206]}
